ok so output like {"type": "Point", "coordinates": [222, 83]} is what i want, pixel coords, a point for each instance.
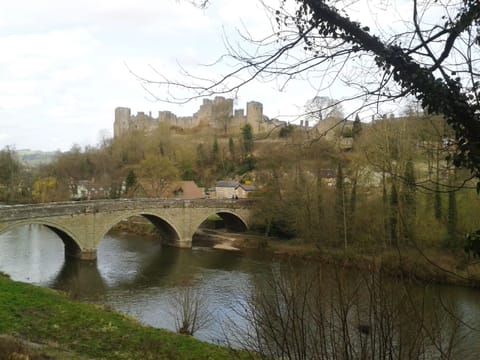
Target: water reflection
{"type": "Point", "coordinates": [80, 279]}
{"type": "Point", "coordinates": [311, 311]}
{"type": "Point", "coordinates": [27, 254]}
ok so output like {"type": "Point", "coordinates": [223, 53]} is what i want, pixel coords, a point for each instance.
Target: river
{"type": "Point", "coordinates": [141, 278]}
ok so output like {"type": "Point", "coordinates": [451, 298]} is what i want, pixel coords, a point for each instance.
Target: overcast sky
{"type": "Point", "coordinates": [63, 68]}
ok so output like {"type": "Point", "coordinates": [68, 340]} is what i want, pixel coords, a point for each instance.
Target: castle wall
{"type": "Point", "coordinates": [239, 119]}
{"type": "Point", "coordinates": [186, 122]}
{"type": "Point", "coordinates": [254, 114]}
{"type": "Point", "coordinates": [217, 114]}
{"type": "Point", "coordinates": [167, 117]}
{"type": "Point", "coordinates": [143, 122]}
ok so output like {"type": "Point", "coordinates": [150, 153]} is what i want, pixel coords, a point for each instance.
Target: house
{"type": "Point", "coordinates": [87, 190]}
{"type": "Point", "coordinates": [231, 189]}
{"type": "Point", "coordinates": [80, 190]}
{"type": "Point", "coordinates": [243, 190]}
{"type": "Point", "coordinates": [328, 176]}
{"type": "Point", "coordinates": [211, 193]}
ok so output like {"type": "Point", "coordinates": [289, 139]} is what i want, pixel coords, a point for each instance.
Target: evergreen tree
{"type": "Point", "coordinates": [438, 198]}
{"type": "Point", "coordinates": [452, 219]}
{"type": "Point", "coordinates": [438, 202]}
{"type": "Point", "coordinates": [352, 205]}
{"type": "Point", "coordinates": [357, 128]}
{"type": "Point", "coordinates": [130, 180]}
{"type": "Point", "coordinates": [201, 158]}
{"type": "Point", "coordinates": [409, 200]}
{"type": "Point", "coordinates": [385, 208]}
{"type": "Point", "coordinates": [452, 213]}
{"type": "Point", "coordinates": [231, 148]}
{"type": "Point", "coordinates": [340, 206]}
{"type": "Point", "coordinates": [215, 150]}
{"type": "Point", "coordinates": [393, 214]}
{"type": "Point", "coordinates": [247, 138]}
{"type": "Point", "coordinates": [320, 211]}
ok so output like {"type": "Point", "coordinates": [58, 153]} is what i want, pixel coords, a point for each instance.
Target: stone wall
{"type": "Point", "coordinates": [218, 113]}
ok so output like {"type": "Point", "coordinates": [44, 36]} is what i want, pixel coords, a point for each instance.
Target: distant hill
{"type": "Point", "coordinates": [36, 157]}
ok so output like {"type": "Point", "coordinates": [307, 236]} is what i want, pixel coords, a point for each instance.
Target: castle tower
{"type": "Point", "coordinates": [254, 114]}
{"type": "Point", "coordinates": [204, 113]}
{"type": "Point", "coordinates": [239, 114]}
{"type": "Point", "coordinates": [121, 124]}
{"type": "Point", "coordinates": [222, 112]}
{"type": "Point", "coordinates": [167, 117]}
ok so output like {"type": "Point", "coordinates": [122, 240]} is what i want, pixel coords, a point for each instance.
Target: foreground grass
{"type": "Point", "coordinates": [64, 329]}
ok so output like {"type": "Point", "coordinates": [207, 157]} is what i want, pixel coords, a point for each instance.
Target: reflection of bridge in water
{"type": "Point", "coordinates": [81, 225]}
{"type": "Point", "coordinates": [160, 268]}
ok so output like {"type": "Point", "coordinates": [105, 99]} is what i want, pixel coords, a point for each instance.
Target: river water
{"type": "Point", "coordinates": [141, 278]}
{"type": "Point", "coordinates": [132, 274]}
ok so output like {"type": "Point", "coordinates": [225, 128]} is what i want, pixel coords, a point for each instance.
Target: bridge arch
{"type": "Point", "coordinates": [233, 221]}
{"type": "Point", "coordinates": [165, 227]}
{"type": "Point", "coordinates": [72, 247]}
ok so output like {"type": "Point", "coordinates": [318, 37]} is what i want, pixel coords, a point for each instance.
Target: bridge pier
{"type": "Point", "coordinates": [80, 254]}
{"type": "Point", "coordinates": [87, 255]}
{"type": "Point", "coordinates": [183, 244]}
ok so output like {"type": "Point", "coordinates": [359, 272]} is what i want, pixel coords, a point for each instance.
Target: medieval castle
{"type": "Point", "coordinates": [217, 114]}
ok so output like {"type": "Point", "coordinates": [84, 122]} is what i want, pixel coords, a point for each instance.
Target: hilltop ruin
{"type": "Point", "coordinates": [217, 114]}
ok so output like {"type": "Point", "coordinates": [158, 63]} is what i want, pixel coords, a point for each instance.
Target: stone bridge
{"type": "Point", "coordinates": [81, 225]}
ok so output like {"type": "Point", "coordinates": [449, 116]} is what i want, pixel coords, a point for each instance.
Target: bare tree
{"type": "Point", "coordinates": [190, 310]}
{"type": "Point", "coordinates": [431, 54]}
{"type": "Point", "coordinates": [321, 108]}
{"type": "Point", "coordinates": [308, 313]}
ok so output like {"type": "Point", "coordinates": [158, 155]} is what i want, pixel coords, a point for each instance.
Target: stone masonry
{"type": "Point", "coordinates": [217, 114]}
{"type": "Point", "coordinates": [81, 225]}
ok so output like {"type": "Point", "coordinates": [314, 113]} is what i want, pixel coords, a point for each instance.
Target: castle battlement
{"type": "Point", "coordinates": [217, 114]}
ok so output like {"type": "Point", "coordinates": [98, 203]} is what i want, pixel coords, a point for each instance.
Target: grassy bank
{"type": "Point", "coordinates": [40, 323]}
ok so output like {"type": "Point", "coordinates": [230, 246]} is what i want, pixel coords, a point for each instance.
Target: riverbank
{"type": "Point", "coordinates": [429, 265]}
{"type": "Point", "coordinates": [40, 323]}
{"type": "Point", "coordinates": [426, 265]}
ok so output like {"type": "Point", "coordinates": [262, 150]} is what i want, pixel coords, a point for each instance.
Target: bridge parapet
{"type": "Point", "coordinates": [33, 211]}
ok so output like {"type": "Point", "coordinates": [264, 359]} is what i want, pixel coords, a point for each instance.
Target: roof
{"type": "Point", "coordinates": [189, 189]}
{"type": "Point", "coordinates": [227, 183]}
{"type": "Point", "coordinates": [327, 173]}
{"type": "Point", "coordinates": [248, 187]}
{"type": "Point", "coordinates": [234, 184]}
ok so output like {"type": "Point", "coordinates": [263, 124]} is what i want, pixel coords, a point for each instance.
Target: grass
{"type": "Point", "coordinates": [62, 328]}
